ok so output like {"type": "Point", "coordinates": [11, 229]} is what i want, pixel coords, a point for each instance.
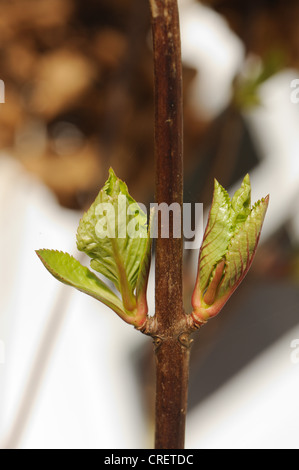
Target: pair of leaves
{"type": "Point", "coordinates": [228, 248]}
{"type": "Point", "coordinates": [114, 234]}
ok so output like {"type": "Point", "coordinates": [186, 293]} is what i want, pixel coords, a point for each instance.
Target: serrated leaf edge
{"type": "Point", "coordinates": [116, 308]}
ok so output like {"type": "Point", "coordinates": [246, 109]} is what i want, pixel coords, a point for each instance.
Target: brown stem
{"type": "Point", "coordinates": [172, 351]}
{"type": "Point", "coordinates": [172, 368]}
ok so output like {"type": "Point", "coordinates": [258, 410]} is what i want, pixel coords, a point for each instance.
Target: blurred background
{"type": "Point", "coordinates": [78, 99]}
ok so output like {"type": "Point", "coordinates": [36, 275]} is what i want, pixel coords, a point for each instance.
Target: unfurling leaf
{"type": "Point", "coordinates": [68, 270]}
{"type": "Point", "coordinates": [114, 233]}
{"type": "Point", "coordinates": [228, 248]}
{"type": "Point", "coordinates": [106, 234]}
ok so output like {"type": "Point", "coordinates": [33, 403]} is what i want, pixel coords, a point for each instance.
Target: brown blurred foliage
{"type": "Point", "coordinates": [79, 90]}
{"type": "Point", "coordinates": [79, 94]}
{"type": "Point", "coordinates": [263, 25]}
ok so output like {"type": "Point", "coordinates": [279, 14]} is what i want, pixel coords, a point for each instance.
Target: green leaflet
{"type": "Point", "coordinates": [228, 247]}
{"type": "Point", "coordinates": [217, 235]}
{"type": "Point", "coordinates": [242, 247]}
{"type": "Point", "coordinates": [225, 217]}
{"type": "Point", "coordinates": [241, 203]}
{"type": "Point", "coordinates": [68, 270]}
{"type": "Point", "coordinates": [115, 237]}
{"type": "Point", "coordinates": [145, 261]}
{"type": "Point", "coordinates": [113, 232]}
